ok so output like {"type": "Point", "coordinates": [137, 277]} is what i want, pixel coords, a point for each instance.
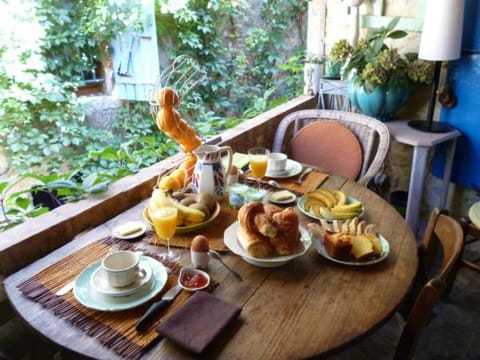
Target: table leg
{"type": "Point", "coordinates": [415, 189]}
{"type": "Point", "coordinates": [447, 172]}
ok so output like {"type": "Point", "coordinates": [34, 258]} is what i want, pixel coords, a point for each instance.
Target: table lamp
{"type": "Point", "coordinates": [441, 41]}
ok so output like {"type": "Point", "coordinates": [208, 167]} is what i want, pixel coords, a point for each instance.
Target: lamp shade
{"type": "Point", "coordinates": [442, 30]}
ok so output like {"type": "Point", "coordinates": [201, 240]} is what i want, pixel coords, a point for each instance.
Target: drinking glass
{"type": "Point", "coordinates": [258, 159]}
{"type": "Point", "coordinates": [164, 221]}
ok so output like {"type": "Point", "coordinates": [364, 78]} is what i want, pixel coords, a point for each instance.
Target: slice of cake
{"type": "Point", "coordinates": [365, 246]}
{"type": "Point", "coordinates": [338, 245]}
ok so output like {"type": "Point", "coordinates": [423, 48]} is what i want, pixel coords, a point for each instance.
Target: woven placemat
{"type": "Point", "coordinates": [310, 182]}
{"type": "Point", "coordinates": [116, 330]}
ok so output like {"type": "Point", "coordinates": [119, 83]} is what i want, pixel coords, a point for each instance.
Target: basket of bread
{"type": "Point", "coordinates": [353, 242]}
{"type": "Point", "coordinates": [267, 235]}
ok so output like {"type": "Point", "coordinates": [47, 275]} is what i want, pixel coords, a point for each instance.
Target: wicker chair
{"type": "Point", "coordinates": [372, 134]}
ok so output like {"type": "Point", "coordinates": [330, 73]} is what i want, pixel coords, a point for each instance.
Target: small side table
{"type": "Point", "coordinates": [421, 142]}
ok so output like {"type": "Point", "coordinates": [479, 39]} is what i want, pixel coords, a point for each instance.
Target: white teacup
{"type": "Point", "coordinates": [122, 268]}
{"type": "Point", "coordinates": [277, 161]}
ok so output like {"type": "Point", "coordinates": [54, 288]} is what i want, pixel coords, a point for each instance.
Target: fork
{"type": "Point", "coordinates": [305, 172]}
{"type": "Point", "coordinates": [218, 257]}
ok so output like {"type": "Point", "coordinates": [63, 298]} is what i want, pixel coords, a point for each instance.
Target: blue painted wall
{"type": "Point", "coordinates": [465, 116]}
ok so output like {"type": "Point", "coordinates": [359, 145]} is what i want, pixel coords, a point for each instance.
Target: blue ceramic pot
{"type": "Point", "coordinates": [332, 69]}
{"type": "Point", "coordinates": [381, 102]}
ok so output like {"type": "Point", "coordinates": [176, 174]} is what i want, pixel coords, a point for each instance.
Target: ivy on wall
{"type": "Point", "coordinates": [249, 66]}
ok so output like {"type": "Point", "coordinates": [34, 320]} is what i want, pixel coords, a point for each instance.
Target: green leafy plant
{"type": "Point", "coordinates": [43, 128]}
{"type": "Point", "coordinates": [18, 206]}
{"type": "Point", "coordinates": [314, 58]}
{"type": "Point", "coordinates": [374, 63]}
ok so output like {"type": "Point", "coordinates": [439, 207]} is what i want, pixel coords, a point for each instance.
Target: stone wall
{"type": "Point", "coordinates": [336, 22]}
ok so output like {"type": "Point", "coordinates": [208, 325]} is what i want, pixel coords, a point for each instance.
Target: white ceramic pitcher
{"type": "Point", "coordinates": [209, 174]}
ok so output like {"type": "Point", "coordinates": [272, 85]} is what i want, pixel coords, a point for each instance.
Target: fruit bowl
{"type": "Point", "coordinates": [313, 206]}
{"type": "Point", "coordinates": [190, 228]}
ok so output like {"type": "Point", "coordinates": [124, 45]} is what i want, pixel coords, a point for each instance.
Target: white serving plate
{"type": "Point", "coordinates": [92, 299]}
{"type": "Point", "coordinates": [232, 242]}
{"type": "Point", "coordinates": [385, 251]}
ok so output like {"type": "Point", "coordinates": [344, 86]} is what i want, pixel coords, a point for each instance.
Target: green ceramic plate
{"type": "Point", "coordinates": [92, 299]}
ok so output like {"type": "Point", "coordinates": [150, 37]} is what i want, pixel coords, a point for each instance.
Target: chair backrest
{"type": "Point", "coordinates": [445, 232]}
{"type": "Point", "coordinates": [372, 134]}
{"type": "Point", "coordinates": [417, 319]}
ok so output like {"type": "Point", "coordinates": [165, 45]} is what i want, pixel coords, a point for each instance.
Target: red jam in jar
{"type": "Point", "coordinates": [193, 281]}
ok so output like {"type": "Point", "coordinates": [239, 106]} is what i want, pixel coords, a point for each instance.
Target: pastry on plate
{"type": "Point", "coordinates": [267, 230]}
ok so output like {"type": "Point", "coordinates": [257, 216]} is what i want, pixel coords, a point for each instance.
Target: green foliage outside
{"type": "Point", "coordinates": [43, 132]}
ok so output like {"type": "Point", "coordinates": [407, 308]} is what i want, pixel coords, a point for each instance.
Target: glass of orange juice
{"type": "Point", "coordinates": [164, 221]}
{"type": "Point", "coordinates": [258, 159]}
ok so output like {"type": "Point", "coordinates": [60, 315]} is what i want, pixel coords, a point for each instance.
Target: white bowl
{"type": "Point", "coordinates": [192, 279]}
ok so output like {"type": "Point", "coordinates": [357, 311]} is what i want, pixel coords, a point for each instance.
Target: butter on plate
{"type": "Point", "coordinates": [282, 197]}
{"type": "Point", "coordinates": [129, 228]}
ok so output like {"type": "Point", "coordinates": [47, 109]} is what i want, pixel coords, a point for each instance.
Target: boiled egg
{"type": "Point", "coordinates": [200, 244]}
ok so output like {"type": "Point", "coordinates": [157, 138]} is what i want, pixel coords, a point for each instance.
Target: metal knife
{"type": "Point", "coordinates": [157, 306]}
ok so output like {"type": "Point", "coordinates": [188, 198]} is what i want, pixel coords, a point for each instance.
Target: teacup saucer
{"type": "Point", "coordinates": [293, 168]}
{"type": "Point", "coordinates": [285, 170]}
{"type": "Point", "coordinates": [99, 282]}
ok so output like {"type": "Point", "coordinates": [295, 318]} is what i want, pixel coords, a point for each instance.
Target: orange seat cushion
{"type": "Point", "coordinates": [328, 145]}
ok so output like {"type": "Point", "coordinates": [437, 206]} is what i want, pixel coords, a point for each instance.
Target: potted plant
{"type": "Point", "coordinates": [312, 72]}
{"type": "Point", "coordinates": [380, 78]}
{"type": "Point", "coordinates": [339, 54]}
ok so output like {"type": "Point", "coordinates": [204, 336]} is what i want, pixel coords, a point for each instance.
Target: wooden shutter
{"type": "Point", "coordinates": [135, 59]}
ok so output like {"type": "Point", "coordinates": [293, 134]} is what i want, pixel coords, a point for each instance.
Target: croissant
{"type": "Point", "coordinates": [267, 229]}
{"type": "Point", "coordinates": [285, 244]}
{"type": "Point", "coordinates": [271, 209]}
{"type": "Point", "coordinates": [247, 214]}
{"type": "Point", "coordinates": [264, 226]}
{"type": "Point", "coordinates": [286, 220]}
{"type": "Point", "coordinates": [255, 244]}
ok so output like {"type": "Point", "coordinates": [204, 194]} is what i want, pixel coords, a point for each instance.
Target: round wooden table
{"type": "Point", "coordinates": [308, 307]}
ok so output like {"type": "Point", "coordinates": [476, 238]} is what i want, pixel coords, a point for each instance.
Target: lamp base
{"type": "Point", "coordinates": [434, 127]}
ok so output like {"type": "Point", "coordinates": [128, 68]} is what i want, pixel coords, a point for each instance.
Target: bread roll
{"type": "Point", "coordinates": [255, 244]}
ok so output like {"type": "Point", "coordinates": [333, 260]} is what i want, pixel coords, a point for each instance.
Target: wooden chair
{"type": "Point", "coordinates": [372, 134]}
{"type": "Point", "coordinates": [472, 234]}
{"type": "Point", "coordinates": [442, 232]}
